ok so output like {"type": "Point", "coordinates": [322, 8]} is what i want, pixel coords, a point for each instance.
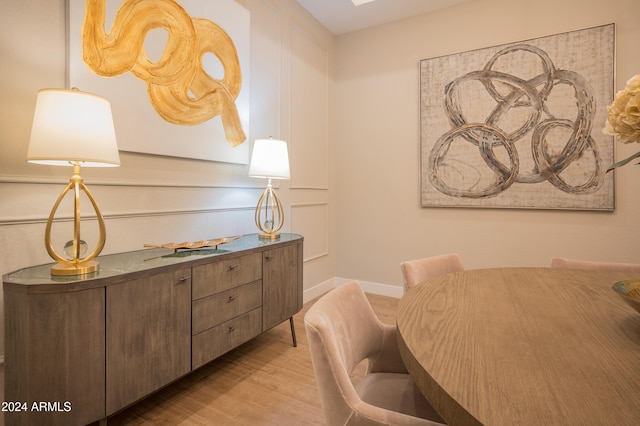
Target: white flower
{"type": "Point", "coordinates": [623, 115]}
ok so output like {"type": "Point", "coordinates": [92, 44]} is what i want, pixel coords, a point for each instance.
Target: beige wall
{"type": "Point", "coordinates": [153, 199]}
{"type": "Point", "coordinates": [380, 221]}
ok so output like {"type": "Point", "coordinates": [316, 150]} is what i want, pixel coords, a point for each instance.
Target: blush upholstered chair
{"type": "Point", "coordinates": [343, 330]}
{"type": "Point", "coordinates": [419, 270]}
{"type": "Point", "coordinates": [565, 263]}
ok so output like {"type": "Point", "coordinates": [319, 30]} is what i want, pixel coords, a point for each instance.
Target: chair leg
{"type": "Point", "coordinates": [293, 333]}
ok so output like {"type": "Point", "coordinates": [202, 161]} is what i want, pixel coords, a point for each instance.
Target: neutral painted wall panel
{"type": "Point", "coordinates": [266, 70]}
{"type": "Point", "coordinates": [312, 221]}
{"type": "Point", "coordinates": [309, 112]}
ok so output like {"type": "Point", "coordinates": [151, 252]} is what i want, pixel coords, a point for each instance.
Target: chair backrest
{"type": "Point", "coordinates": [565, 263]}
{"type": "Point", "coordinates": [342, 330]}
{"type": "Point", "coordinates": [419, 270]}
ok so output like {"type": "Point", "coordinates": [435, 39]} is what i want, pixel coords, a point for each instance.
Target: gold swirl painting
{"type": "Point", "coordinates": [171, 69]}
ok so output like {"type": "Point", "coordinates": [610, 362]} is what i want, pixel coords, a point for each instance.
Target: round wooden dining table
{"type": "Point", "coordinates": [523, 346]}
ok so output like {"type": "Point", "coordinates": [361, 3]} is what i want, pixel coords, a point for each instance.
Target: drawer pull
{"type": "Point", "coordinates": [232, 297]}
{"type": "Point", "coordinates": [232, 267]}
{"type": "Point", "coordinates": [183, 278]}
{"type": "Point", "coordinates": [231, 328]}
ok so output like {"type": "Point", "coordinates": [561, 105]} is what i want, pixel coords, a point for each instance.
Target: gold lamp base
{"type": "Point", "coordinates": [77, 265]}
{"type": "Point", "coordinates": [268, 236]}
{"type": "Point", "coordinates": [83, 268]}
{"type": "Point", "coordinates": [273, 219]}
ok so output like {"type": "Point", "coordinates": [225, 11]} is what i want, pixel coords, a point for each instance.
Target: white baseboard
{"type": "Point", "coordinates": [318, 290]}
{"type": "Point", "coordinates": [368, 287]}
{"type": "Point", "coordinates": [379, 288]}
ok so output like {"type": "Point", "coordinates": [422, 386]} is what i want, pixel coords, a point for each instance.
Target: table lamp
{"type": "Point", "coordinates": [270, 160]}
{"type": "Point", "coordinates": [73, 128]}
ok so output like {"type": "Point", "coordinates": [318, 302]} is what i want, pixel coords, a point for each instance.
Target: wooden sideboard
{"type": "Point", "coordinates": [79, 349]}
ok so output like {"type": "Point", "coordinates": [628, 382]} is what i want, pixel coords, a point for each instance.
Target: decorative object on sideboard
{"type": "Point", "coordinates": [623, 118]}
{"type": "Point", "coordinates": [270, 160]}
{"type": "Point", "coordinates": [192, 245]}
{"type": "Point", "coordinates": [73, 128]}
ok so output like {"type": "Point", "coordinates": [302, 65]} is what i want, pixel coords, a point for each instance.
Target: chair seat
{"type": "Point", "coordinates": [395, 392]}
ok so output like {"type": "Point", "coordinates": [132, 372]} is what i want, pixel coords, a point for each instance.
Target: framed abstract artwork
{"type": "Point", "coordinates": [520, 125]}
{"type": "Point", "coordinates": [176, 73]}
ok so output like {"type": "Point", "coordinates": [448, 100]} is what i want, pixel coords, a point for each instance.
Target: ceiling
{"type": "Point", "coordinates": [342, 16]}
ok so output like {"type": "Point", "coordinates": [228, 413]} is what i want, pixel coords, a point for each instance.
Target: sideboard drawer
{"type": "Point", "coordinates": [215, 277]}
{"type": "Point", "coordinates": [216, 341]}
{"type": "Point", "coordinates": [213, 310]}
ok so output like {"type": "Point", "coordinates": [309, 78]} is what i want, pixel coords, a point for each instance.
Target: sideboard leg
{"type": "Point", "coordinates": [293, 333]}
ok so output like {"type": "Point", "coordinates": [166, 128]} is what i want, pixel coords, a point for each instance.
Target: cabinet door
{"type": "Point", "coordinates": [148, 339]}
{"type": "Point", "coordinates": [54, 354]}
{"type": "Point", "coordinates": [281, 284]}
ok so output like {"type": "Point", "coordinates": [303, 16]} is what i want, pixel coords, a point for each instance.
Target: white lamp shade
{"type": "Point", "coordinates": [270, 159]}
{"type": "Point", "coordinates": [70, 125]}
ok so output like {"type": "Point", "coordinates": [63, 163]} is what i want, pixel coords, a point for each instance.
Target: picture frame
{"type": "Point", "coordinates": [519, 125]}
{"type": "Point", "coordinates": [139, 127]}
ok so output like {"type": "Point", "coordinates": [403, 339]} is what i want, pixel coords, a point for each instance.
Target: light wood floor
{"type": "Point", "coordinates": [263, 382]}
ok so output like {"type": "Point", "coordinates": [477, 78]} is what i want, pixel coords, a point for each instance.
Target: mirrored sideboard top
{"type": "Point", "coordinates": [139, 261]}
